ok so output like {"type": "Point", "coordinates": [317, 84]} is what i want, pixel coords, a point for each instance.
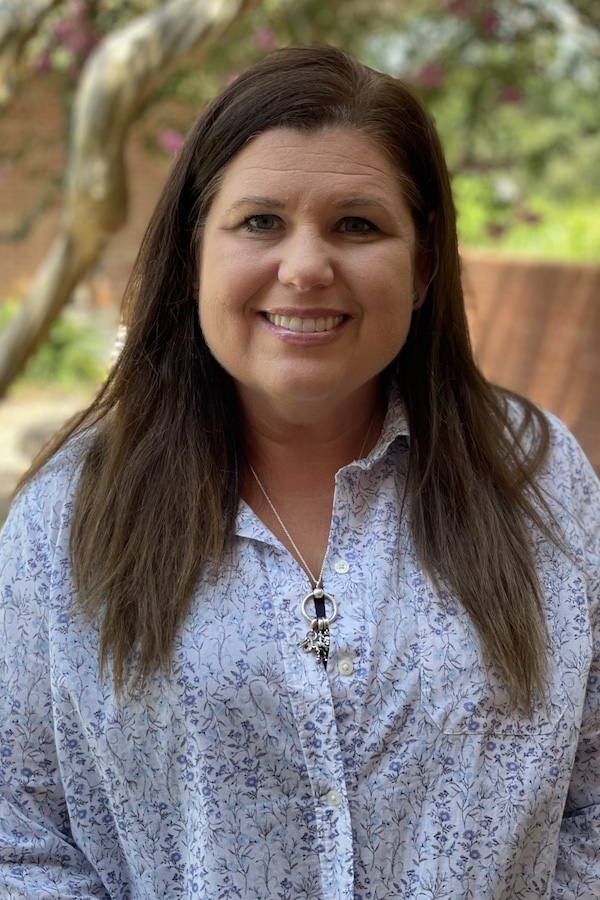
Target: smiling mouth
{"type": "Point", "coordinates": [305, 326]}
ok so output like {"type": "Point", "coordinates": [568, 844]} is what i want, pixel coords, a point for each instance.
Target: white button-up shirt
{"type": "Point", "coordinates": [252, 772]}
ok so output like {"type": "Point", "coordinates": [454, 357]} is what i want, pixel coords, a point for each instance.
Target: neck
{"type": "Point", "coordinates": [308, 443]}
{"type": "Point", "coordinates": [297, 464]}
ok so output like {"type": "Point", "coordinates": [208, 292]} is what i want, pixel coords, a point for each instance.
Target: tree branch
{"type": "Point", "coordinates": [19, 21]}
{"type": "Point", "coordinates": [117, 78]}
{"type": "Point", "coordinates": [589, 13]}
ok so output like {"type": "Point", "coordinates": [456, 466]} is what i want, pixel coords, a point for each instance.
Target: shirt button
{"type": "Point", "coordinates": [345, 667]}
{"type": "Point", "coordinates": [341, 567]}
{"type": "Point", "coordinates": [333, 798]}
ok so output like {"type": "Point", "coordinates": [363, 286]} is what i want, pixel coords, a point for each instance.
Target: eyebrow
{"type": "Point", "coordinates": [352, 202]}
{"type": "Point", "coordinates": [258, 201]}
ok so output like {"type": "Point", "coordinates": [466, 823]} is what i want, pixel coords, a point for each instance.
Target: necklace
{"type": "Point", "coordinates": [317, 639]}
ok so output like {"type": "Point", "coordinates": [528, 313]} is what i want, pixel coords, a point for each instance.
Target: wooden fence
{"type": "Point", "coordinates": [536, 329]}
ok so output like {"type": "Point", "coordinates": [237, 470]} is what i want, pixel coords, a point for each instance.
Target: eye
{"type": "Point", "coordinates": [357, 225]}
{"type": "Point", "coordinates": [259, 223]}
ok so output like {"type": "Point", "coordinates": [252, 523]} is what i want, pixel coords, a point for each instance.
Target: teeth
{"type": "Point", "coordinates": [305, 326]}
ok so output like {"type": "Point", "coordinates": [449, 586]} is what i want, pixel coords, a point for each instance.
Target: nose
{"type": "Point", "coordinates": [306, 262]}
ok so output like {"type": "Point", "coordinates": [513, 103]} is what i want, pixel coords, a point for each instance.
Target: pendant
{"type": "Point", "coordinates": [319, 598]}
{"type": "Point", "coordinates": [317, 640]}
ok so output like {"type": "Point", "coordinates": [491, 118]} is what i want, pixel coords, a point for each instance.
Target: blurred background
{"type": "Point", "coordinates": [95, 100]}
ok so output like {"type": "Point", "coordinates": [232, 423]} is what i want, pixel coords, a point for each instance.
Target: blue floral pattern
{"type": "Point", "coordinates": [251, 771]}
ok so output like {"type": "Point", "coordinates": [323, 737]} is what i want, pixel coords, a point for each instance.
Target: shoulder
{"type": "Point", "coordinates": [561, 471]}
{"type": "Point", "coordinates": [39, 516]}
{"type": "Point", "coordinates": [35, 571]}
{"type": "Point", "coordinates": [572, 489]}
{"type": "Point", "coordinates": [564, 462]}
{"type": "Point", "coordinates": [566, 470]}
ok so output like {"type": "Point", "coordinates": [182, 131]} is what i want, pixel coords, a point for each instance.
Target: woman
{"type": "Point", "coordinates": [302, 607]}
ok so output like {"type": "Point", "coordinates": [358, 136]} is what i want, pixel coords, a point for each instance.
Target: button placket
{"type": "Point", "coordinates": [345, 665]}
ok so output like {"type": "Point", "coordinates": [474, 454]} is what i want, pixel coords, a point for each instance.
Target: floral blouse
{"type": "Point", "coordinates": [253, 772]}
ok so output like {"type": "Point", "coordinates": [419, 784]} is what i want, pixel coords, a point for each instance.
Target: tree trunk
{"type": "Point", "coordinates": [19, 20]}
{"type": "Point", "coordinates": [117, 79]}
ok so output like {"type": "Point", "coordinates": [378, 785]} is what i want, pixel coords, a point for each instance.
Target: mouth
{"type": "Point", "coordinates": [305, 325]}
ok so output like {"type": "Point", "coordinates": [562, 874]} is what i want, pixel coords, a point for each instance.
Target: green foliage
{"type": "Point", "coordinates": [73, 355]}
{"type": "Point", "coordinates": [568, 231]}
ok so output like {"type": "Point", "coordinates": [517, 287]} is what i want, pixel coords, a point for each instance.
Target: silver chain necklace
{"type": "Point", "coordinates": [318, 638]}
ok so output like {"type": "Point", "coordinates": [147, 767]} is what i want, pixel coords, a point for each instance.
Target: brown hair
{"type": "Point", "coordinates": [160, 480]}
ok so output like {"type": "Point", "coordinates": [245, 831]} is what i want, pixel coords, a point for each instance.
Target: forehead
{"type": "Point", "coordinates": [329, 160]}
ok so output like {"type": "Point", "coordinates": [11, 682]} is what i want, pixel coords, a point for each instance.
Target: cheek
{"type": "Point", "coordinates": [391, 272]}
{"type": "Point", "coordinates": [223, 321]}
{"type": "Point", "coordinates": [210, 312]}
{"type": "Point", "coordinates": [392, 315]}
{"type": "Point", "coordinates": [215, 294]}
{"type": "Point", "coordinates": [233, 280]}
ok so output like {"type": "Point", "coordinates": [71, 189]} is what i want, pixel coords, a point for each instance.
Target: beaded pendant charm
{"type": "Point", "coordinates": [317, 640]}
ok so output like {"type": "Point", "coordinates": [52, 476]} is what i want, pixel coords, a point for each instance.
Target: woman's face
{"type": "Point", "coordinates": [308, 268]}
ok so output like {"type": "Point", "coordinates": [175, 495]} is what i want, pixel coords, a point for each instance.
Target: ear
{"type": "Point", "coordinates": [424, 272]}
{"type": "Point", "coordinates": [418, 299]}
{"type": "Point", "coordinates": [421, 280]}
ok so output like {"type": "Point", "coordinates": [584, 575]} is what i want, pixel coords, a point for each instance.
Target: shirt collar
{"type": "Point", "coordinates": [395, 426]}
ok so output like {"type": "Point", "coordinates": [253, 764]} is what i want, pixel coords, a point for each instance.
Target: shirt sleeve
{"type": "Point", "coordinates": [38, 856]}
{"type": "Point", "coordinates": [578, 862]}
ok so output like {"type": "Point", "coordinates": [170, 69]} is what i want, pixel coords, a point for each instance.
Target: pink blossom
{"type": "Point", "coordinates": [462, 8]}
{"type": "Point", "coordinates": [489, 23]}
{"type": "Point", "coordinates": [529, 217]}
{"type": "Point", "coordinates": [76, 34]}
{"type": "Point", "coordinates": [510, 94]}
{"type": "Point", "coordinates": [495, 229]}
{"type": "Point", "coordinates": [430, 76]}
{"type": "Point", "coordinates": [170, 141]}
{"type": "Point", "coordinates": [43, 63]}
{"type": "Point", "coordinates": [265, 38]}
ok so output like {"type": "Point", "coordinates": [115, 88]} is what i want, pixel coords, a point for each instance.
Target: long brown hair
{"type": "Point", "coordinates": [160, 480]}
